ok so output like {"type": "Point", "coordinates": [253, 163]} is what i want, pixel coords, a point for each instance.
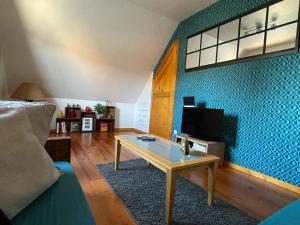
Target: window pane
{"type": "Point", "coordinates": [253, 23]}
{"type": "Point", "coordinates": [229, 31]}
{"type": "Point", "coordinates": [283, 12]}
{"type": "Point", "coordinates": [209, 38]}
{"type": "Point", "coordinates": [251, 46]}
{"type": "Point", "coordinates": [193, 44]}
{"type": "Point", "coordinates": [281, 38]}
{"type": "Point", "coordinates": [192, 60]}
{"type": "Point", "coordinates": [208, 56]}
{"type": "Point", "coordinates": [227, 51]}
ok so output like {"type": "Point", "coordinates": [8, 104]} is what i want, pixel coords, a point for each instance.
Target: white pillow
{"type": "Point", "coordinates": [39, 114]}
{"type": "Point", "coordinates": [26, 170]}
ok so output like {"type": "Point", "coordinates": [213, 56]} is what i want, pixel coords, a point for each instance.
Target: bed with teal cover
{"type": "Point", "coordinates": [62, 204]}
{"type": "Point", "coordinates": [289, 215]}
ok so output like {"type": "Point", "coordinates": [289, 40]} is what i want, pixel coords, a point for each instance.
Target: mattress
{"type": "Point", "coordinates": [62, 204]}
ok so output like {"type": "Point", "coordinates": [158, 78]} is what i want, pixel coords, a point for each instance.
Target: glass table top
{"type": "Point", "coordinates": [165, 149]}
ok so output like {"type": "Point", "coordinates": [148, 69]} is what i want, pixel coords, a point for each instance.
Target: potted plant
{"type": "Point", "coordinates": [99, 109]}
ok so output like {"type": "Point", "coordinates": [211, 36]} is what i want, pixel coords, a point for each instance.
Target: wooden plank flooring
{"type": "Point", "coordinates": [252, 195]}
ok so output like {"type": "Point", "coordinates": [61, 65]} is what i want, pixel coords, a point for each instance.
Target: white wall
{"type": "Point", "coordinates": [75, 49]}
{"type": "Point", "coordinates": [124, 111]}
{"type": "Point", "coordinates": [127, 115]}
{"type": "Point", "coordinates": [89, 50]}
{"type": "Point", "coordinates": [142, 108]}
{"type": "Point", "coordinates": [3, 84]}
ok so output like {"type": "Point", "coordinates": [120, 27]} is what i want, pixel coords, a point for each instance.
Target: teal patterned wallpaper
{"type": "Point", "coordinates": [261, 99]}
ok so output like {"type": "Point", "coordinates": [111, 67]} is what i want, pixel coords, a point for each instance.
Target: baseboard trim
{"type": "Point", "coordinates": [130, 130]}
{"type": "Point", "coordinates": [264, 177]}
{"type": "Point", "coordinates": [123, 129]}
{"type": "Point", "coordinates": [138, 131]}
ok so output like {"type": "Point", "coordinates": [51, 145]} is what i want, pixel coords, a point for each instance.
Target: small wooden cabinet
{"type": "Point", "coordinates": [209, 147]}
{"type": "Point", "coordinates": [110, 122]}
{"type": "Point", "coordinates": [59, 148]}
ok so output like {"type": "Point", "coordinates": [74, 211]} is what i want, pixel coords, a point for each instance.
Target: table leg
{"type": "Point", "coordinates": [170, 194]}
{"type": "Point", "coordinates": [117, 154]}
{"type": "Point", "coordinates": [212, 172]}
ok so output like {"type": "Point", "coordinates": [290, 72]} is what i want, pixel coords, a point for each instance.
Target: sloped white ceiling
{"type": "Point", "coordinates": [175, 9]}
{"type": "Point", "coordinates": [91, 49]}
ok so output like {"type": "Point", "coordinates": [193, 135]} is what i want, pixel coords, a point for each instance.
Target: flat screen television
{"type": "Point", "coordinates": [203, 123]}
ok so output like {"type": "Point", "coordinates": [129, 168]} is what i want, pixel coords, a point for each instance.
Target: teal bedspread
{"type": "Point", "coordinates": [63, 204]}
{"type": "Point", "coordinates": [289, 215]}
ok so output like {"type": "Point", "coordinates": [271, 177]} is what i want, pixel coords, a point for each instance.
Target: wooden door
{"type": "Point", "coordinates": [163, 93]}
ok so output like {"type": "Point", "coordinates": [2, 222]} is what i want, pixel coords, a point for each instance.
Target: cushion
{"type": "Point", "coordinates": [39, 113]}
{"type": "Point", "coordinates": [3, 219]}
{"type": "Point", "coordinates": [26, 170]}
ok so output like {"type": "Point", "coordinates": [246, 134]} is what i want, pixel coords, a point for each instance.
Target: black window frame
{"type": "Point", "coordinates": [244, 59]}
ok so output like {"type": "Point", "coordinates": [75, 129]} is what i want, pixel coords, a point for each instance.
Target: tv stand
{"type": "Point", "coordinates": [209, 147]}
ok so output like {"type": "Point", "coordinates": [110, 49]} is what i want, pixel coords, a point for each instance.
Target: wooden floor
{"type": "Point", "coordinates": [253, 196]}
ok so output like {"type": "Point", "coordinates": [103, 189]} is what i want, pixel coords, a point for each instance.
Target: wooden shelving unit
{"type": "Point", "coordinates": [75, 115]}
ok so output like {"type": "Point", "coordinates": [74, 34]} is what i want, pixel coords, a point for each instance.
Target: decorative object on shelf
{"type": "Point", "coordinates": [60, 114]}
{"type": "Point", "coordinates": [104, 127]}
{"type": "Point", "coordinates": [88, 120]}
{"type": "Point", "coordinates": [87, 124]}
{"type": "Point", "coordinates": [185, 146]}
{"type": "Point", "coordinates": [210, 147]}
{"type": "Point", "coordinates": [110, 123]}
{"type": "Point", "coordinates": [28, 92]}
{"type": "Point", "coordinates": [99, 109]}
{"type": "Point", "coordinates": [63, 127]}
{"type": "Point", "coordinates": [107, 102]}
{"type": "Point", "coordinates": [73, 112]}
{"type": "Point", "coordinates": [87, 109]}
{"type": "Point", "coordinates": [57, 127]}
{"type": "Point", "coordinates": [75, 126]}
{"type": "Point", "coordinates": [110, 112]}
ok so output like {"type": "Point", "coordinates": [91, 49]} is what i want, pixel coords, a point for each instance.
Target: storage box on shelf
{"type": "Point", "coordinates": [72, 112]}
{"type": "Point", "coordinates": [110, 125]}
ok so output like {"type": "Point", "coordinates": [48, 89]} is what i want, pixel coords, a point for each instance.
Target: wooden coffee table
{"type": "Point", "coordinates": [168, 157]}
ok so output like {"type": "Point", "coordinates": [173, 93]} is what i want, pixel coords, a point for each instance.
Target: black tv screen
{"type": "Point", "coordinates": [203, 123]}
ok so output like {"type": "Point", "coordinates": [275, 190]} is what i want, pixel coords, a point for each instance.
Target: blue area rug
{"type": "Point", "coordinates": [142, 190]}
